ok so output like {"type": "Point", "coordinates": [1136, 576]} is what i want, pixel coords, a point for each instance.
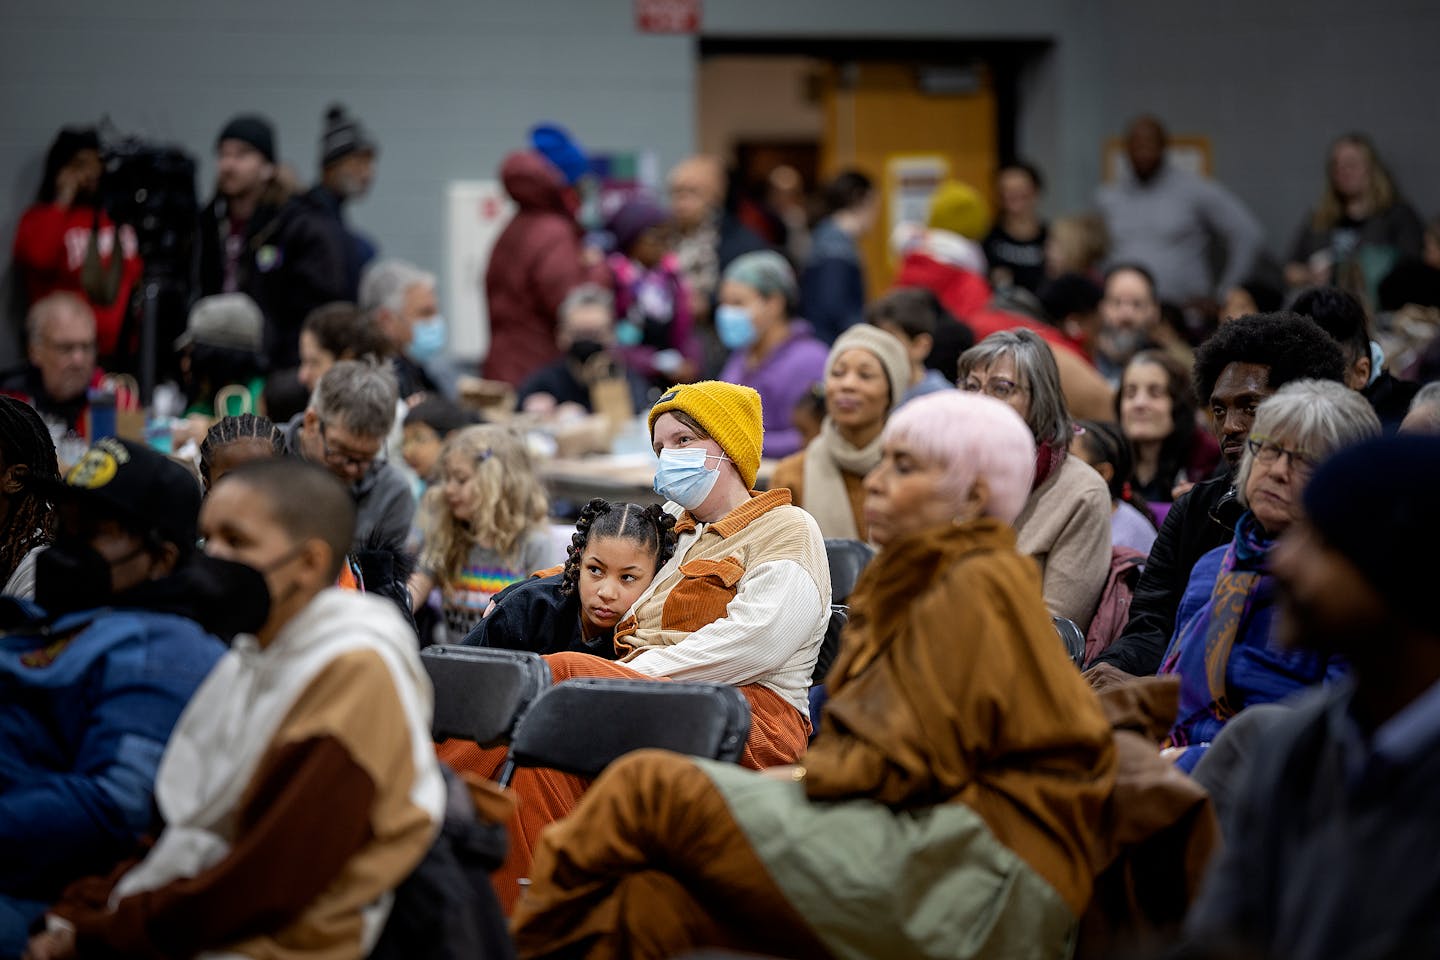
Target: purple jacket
{"type": "Point", "coordinates": [781, 379]}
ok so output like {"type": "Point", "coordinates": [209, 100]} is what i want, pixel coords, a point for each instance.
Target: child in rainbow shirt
{"type": "Point", "coordinates": [484, 526]}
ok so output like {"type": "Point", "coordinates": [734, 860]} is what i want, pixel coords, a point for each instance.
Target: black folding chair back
{"type": "Point", "coordinates": [847, 558]}
{"type": "Point", "coordinates": [830, 646]}
{"type": "Point", "coordinates": [580, 726]}
{"type": "Point", "coordinates": [481, 692]}
{"type": "Point", "coordinates": [1072, 637]}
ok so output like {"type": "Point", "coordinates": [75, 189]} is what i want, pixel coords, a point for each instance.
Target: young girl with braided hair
{"type": "Point", "coordinates": [27, 516]}
{"type": "Point", "coordinates": [236, 440]}
{"type": "Point", "coordinates": [616, 551]}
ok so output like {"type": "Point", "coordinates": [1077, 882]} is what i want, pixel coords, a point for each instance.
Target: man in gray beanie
{"type": "Point", "coordinates": [347, 169]}
{"type": "Point", "coordinates": [1329, 850]}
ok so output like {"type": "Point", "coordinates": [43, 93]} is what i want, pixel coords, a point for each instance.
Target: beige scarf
{"type": "Point", "coordinates": [828, 458]}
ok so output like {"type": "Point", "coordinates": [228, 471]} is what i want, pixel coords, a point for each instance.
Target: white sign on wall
{"type": "Point", "coordinates": [476, 212]}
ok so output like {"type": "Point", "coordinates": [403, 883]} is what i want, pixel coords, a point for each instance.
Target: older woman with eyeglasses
{"type": "Point", "coordinates": [1065, 525]}
{"type": "Point", "coordinates": [1225, 649]}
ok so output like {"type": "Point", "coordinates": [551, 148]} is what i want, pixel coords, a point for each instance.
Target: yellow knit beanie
{"type": "Point", "coordinates": [728, 412]}
{"type": "Point", "coordinates": [959, 208]}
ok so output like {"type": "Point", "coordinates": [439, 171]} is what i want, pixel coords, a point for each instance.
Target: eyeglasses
{"type": "Point", "coordinates": [999, 388]}
{"type": "Point", "coordinates": [1267, 451]}
{"type": "Point", "coordinates": [342, 458]}
{"type": "Point", "coordinates": [67, 347]}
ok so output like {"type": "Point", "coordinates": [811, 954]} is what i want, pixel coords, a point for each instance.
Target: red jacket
{"type": "Point", "coordinates": [967, 296]}
{"type": "Point", "coordinates": [535, 263]}
{"type": "Point", "coordinates": [50, 246]}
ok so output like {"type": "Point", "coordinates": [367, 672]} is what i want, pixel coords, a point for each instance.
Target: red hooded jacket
{"type": "Point", "coordinates": [535, 263]}
{"type": "Point", "coordinates": [967, 296]}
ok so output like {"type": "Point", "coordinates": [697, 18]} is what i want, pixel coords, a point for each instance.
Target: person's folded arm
{"type": "Point", "coordinates": [773, 615]}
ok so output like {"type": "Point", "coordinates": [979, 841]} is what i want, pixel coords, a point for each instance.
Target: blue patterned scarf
{"type": "Point", "coordinates": [1202, 647]}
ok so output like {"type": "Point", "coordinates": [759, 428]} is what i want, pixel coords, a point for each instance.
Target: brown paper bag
{"type": "Point", "coordinates": [129, 416]}
{"type": "Point", "coordinates": [610, 398]}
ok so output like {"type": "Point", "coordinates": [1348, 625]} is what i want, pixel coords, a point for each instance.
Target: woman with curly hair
{"type": "Point", "coordinates": [614, 555]}
{"type": "Point", "coordinates": [483, 523]}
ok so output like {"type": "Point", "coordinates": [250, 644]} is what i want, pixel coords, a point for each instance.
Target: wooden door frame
{"type": "Point", "coordinates": [1004, 58]}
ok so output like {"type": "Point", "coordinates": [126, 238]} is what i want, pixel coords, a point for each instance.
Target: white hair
{"type": "Point", "coordinates": [384, 283]}
{"type": "Point", "coordinates": [1317, 416]}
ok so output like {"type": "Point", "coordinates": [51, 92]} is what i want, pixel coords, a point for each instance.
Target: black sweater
{"type": "Point", "coordinates": [1200, 521]}
{"type": "Point", "coordinates": [533, 615]}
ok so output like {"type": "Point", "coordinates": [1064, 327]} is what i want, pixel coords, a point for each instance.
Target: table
{"type": "Point", "coordinates": [618, 477]}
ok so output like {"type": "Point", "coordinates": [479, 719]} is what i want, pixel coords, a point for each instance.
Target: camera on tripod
{"type": "Point", "coordinates": [151, 187]}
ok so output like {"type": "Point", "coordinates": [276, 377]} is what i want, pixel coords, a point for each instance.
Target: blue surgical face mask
{"type": "Point", "coordinates": [683, 477]}
{"type": "Point", "coordinates": [734, 326]}
{"type": "Point", "coordinates": [428, 338]}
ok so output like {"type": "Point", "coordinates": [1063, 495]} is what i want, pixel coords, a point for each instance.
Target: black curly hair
{"type": "Point", "coordinates": [1292, 346]}
{"type": "Point", "coordinates": [651, 527]}
{"type": "Point", "coordinates": [30, 520]}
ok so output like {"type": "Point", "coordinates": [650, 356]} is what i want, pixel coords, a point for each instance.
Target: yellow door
{"type": "Point", "coordinates": [879, 120]}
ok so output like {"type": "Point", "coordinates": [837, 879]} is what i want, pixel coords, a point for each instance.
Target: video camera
{"type": "Point", "coordinates": [151, 188]}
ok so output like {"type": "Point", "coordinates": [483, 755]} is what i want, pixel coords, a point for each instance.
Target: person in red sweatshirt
{"type": "Point", "coordinates": [66, 241]}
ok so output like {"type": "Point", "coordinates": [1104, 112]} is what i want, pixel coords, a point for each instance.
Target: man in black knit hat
{"type": "Point", "coordinates": [347, 169]}
{"type": "Point", "coordinates": [286, 252]}
{"type": "Point", "coordinates": [1329, 851]}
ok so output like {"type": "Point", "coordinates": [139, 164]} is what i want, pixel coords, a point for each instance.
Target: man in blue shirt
{"type": "Point", "coordinates": [93, 679]}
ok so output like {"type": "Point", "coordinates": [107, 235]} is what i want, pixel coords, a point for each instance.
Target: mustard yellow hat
{"type": "Point", "coordinates": [728, 412]}
{"type": "Point", "coordinates": [959, 208]}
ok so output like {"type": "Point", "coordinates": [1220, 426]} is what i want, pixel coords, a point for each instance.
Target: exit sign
{"type": "Point", "coordinates": [667, 16]}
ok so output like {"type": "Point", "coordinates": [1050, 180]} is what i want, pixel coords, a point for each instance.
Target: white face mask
{"type": "Point", "coordinates": [684, 477]}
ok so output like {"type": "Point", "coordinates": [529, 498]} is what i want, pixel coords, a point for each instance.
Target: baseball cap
{"type": "Point", "coordinates": [229, 320]}
{"type": "Point", "coordinates": [144, 490]}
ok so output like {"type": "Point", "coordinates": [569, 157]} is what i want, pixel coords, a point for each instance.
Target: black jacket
{"type": "Point", "coordinates": [533, 615]}
{"type": "Point", "coordinates": [1200, 521]}
{"type": "Point", "coordinates": [294, 261]}
{"type": "Point", "coordinates": [559, 380]}
{"type": "Point", "coordinates": [359, 250]}
{"type": "Point", "coordinates": [1390, 396]}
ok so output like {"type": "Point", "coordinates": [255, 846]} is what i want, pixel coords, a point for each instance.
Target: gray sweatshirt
{"type": "Point", "coordinates": [1165, 225]}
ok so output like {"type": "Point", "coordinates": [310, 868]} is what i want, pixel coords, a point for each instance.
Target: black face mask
{"type": "Point", "coordinates": [71, 575]}
{"type": "Point", "coordinates": [236, 597]}
{"type": "Point", "coordinates": [582, 350]}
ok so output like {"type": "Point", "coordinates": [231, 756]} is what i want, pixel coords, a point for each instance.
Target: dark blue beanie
{"type": "Point", "coordinates": [1378, 504]}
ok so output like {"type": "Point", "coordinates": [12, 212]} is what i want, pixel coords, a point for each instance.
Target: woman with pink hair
{"type": "Point", "coordinates": [946, 808]}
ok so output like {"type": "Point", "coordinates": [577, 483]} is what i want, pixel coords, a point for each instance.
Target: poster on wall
{"type": "Point", "coordinates": [476, 212]}
{"type": "Point", "coordinates": [1189, 153]}
{"type": "Point", "coordinates": [910, 180]}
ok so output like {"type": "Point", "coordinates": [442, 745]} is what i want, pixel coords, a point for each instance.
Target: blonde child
{"type": "Point", "coordinates": [484, 526]}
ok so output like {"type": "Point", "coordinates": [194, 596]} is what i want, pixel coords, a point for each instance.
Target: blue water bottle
{"type": "Point", "coordinates": [101, 413]}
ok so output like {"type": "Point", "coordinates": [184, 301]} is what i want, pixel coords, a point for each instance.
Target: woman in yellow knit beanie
{"type": "Point", "coordinates": [745, 600]}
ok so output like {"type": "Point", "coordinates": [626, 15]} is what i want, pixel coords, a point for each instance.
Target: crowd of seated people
{"type": "Point", "coordinates": [216, 725]}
